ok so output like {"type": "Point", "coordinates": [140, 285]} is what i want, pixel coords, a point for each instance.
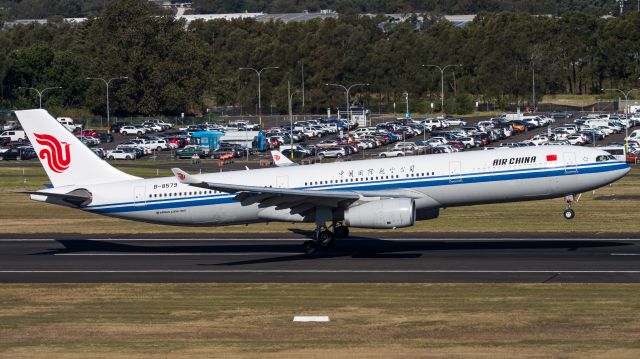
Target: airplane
{"type": "Point", "coordinates": [376, 193]}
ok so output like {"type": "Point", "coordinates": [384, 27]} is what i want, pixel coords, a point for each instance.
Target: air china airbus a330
{"type": "Point", "coordinates": [377, 193]}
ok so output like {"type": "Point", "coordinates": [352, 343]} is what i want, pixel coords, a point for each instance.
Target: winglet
{"type": "Point", "coordinates": [184, 177]}
{"type": "Point", "coordinates": [281, 160]}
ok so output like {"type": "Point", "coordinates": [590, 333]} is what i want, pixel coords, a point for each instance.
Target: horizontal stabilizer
{"type": "Point", "coordinates": [79, 197]}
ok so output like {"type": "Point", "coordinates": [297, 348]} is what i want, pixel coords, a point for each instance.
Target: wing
{"type": "Point", "coordinates": [297, 200]}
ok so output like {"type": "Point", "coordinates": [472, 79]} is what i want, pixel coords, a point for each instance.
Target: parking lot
{"type": "Point", "coordinates": [386, 137]}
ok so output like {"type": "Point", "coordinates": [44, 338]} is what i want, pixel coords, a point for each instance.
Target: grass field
{"type": "Point", "coordinates": [597, 212]}
{"type": "Point", "coordinates": [367, 321]}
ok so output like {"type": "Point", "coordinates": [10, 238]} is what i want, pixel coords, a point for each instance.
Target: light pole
{"type": "Point", "coordinates": [107, 83]}
{"type": "Point", "coordinates": [441, 82]}
{"type": "Point", "coordinates": [290, 97]}
{"type": "Point", "coordinates": [626, 122]}
{"type": "Point", "coordinates": [406, 98]}
{"type": "Point", "coordinates": [40, 92]}
{"type": "Point", "coordinates": [347, 89]}
{"type": "Point", "coordinates": [259, 72]}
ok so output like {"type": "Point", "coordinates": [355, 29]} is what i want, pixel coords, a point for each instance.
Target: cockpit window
{"type": "Point", "coordinates": [602, 158]}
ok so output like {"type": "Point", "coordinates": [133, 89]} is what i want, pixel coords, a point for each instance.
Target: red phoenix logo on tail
{"type": "Point", "coordinates": [58, 158]}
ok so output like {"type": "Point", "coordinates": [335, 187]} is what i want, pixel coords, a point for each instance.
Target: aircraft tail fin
{"type": "Point", "coordinates": [281, 160]}
{"type": "Point", "coordinates": [64, 157]}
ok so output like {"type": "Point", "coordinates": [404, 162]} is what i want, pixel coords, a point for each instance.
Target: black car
{"type": "Point", "coordinates": [105, 137]}
{"type": "Point", "coordinates": [18, 153]}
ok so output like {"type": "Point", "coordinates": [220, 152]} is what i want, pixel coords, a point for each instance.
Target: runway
{"type": "Point", "coordinates": [354, 260]}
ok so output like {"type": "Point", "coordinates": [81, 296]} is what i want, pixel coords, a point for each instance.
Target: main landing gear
{"type": "Point", "coordinates": [325, 238]}
{"type": "Point", "coordinates": [568, 212]}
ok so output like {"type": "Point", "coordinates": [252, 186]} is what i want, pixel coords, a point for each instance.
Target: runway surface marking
{"type": "Point", "coordinates": [176, 254]}
{"type": "Point", "coordinates": [625, 254]}
{"type": "Point", "coordinates": [466, 271]}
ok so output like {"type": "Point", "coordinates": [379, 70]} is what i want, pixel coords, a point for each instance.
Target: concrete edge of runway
{"type": "Point", "coordinates": [301, 235]}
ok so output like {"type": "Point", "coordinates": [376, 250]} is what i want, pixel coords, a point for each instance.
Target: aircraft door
{"type": "Point", "coordinates": [454, 172]}
{"type": "Point", "coordinates": [139, 198]}
{"type": "Point", "coordinates": [282, 182]}
{"type": "Point", "coordinates": [570, 163]}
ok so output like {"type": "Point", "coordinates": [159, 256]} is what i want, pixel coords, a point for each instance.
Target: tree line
{"type": "Point", "coordinates": [174, 67]}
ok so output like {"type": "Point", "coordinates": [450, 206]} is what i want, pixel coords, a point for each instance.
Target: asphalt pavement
{"type": "Point", "coordinates": [355, 260]}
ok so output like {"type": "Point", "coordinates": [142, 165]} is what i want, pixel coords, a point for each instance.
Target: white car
{"type": "Point", "coordinates": [391, 153]}
{"type": "Point", "coordinates": [131, 130]}
{"type": "Point", "coordinates": [119, 155]}
{"type": "Point", "coordinates": [404, 146]}
{"type": "Point", "coordinates": [332, 152]}
{"type": "Point", "coordinates": [576, 140]}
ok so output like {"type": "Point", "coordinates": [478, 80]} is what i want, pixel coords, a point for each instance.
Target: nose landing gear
{"type": "Point", "coordinates": [568, 212]}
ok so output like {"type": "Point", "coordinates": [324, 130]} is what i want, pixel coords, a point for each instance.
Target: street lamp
{"type": "Point", "coordinates": [290, 97]}
{"type": "Point", "coordinates": [107, 83]}
{"type": "Point", "coordinates": [40, 92]}
{"type": "Point", "coordinates": [347, 89]}
{"type": "Point", "coordinates": [259, 72]}
{"type": "Point", "coordinates": [441, 82]}
{"type": "Point", "coordinates": [626, 122]}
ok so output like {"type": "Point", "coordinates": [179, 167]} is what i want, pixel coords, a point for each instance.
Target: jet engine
{"type": "Point", "coordinates": [386, 213]}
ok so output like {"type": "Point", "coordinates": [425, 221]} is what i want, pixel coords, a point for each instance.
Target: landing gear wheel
{"type": "Point", "coordinates": [309, 247]}
{"type": "Point", "coordinates": [569, 213]}
{"type": "Point", "coordinates": [341, 232]}
{"type": "Point", "coordinates": [325, 239]}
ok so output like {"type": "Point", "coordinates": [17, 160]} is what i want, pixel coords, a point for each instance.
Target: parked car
{"type": "Point", "coordinates": [131, 130]}
{"type": "Point", "coordinates": [119, 155]}
{"type": "Point", "coordinates": [105, 137]}
{"type": "Point", "coordinates": [332, 152]}
{"type": "Point", "coordinates": [391, 153]}
{"type": "Point", "coordinates": [189, 151]}
{"type": "Point", "coordinates": [18, 153]}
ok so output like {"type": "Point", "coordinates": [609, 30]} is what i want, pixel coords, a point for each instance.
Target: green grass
{"type": "Point", "coordinates": [368, 321]}
{"type": "Point", "coordinates": [593, 215]}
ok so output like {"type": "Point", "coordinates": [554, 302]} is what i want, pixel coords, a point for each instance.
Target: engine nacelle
{"type": "Point", "coordinates": [386, 213]}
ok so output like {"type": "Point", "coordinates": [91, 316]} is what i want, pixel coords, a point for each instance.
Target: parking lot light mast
{"type": "Point", "coordinates": [40, 92]}
{"type": "Point", "coordinates": [259, 72]}
{"type": "Point", "coordinates": [107, 83]}
{"type": "Point", "coordinates": [290, 97]}
{"type": "Point", "coordinates": [626, 122]}
{"type": "Point", "coordinates": [442, 69]}
{"type": "Point", "coordinates": [347, 89]}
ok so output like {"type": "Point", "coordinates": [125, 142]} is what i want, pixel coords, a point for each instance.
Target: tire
{"type": "Point", "coordinates": [139, 133]}
{"type": "Point", "coordinates": [326, 239]}
{"type": "Point", "coordinates": [124, 133]}
{"type": "Point", "coordinates": [309, 247]}
{"type": "Point", "coordinates": [400, 155]}
{"type": "Point", "coordinates": [341, 232]}
{"type": "Point", "coordinates": [569, 213]}
{"type": "Point", "coordinates": [338, 155]}
{"type": "Point", "coordinates": [158, 148]}
{"type": "Point", "coordinates": [321, 157]}
{"type": "Point", "coordinates": [111, 158]}
{"type": "Point", "coordinates": [383, 155]}
{"type": "Point", "coordinates": [128, 158]}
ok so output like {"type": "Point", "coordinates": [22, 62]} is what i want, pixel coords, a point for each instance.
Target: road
{"type": "Point", "coordinates": [354, 260]}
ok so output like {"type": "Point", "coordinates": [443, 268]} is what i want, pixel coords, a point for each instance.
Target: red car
{"type": "Point", "coordinates": [88, 133]}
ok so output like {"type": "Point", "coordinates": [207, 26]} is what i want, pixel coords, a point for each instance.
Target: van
{"type": "Point", "coordinates": [67, 122]}
{"type": "Point", "coordinates": [13, 136]}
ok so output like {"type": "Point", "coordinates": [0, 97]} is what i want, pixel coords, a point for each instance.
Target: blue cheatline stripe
{"type": "Point", "coordinates": [405, 183]}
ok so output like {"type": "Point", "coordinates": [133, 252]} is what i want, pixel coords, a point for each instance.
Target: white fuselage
{"type": "Point", "coordinates": [441, 180]}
